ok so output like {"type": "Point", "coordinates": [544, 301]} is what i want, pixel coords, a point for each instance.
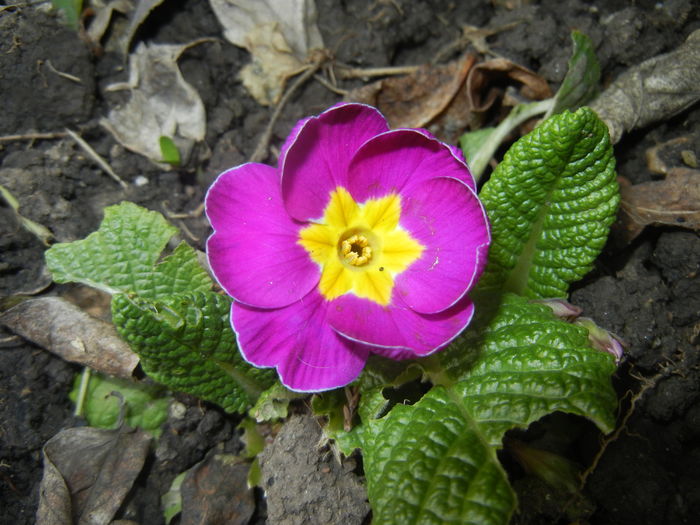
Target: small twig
{"type": "Point", "coordinates": [329, 86]}
{"type": "Point", "coordinates": [33, 136]}
{"type": "Point", "coordinates": [197, 212]}
{"type": "Point", "coordinates": [354, 72]}
{"type": "Point", "coordinates": [261, 149]}
{"type": "Point", "coordinates": [61, 74]}
{"type": "Point", "coordinates": [96, 157]}
{"type": "Point", "coordinates": [82, 391]}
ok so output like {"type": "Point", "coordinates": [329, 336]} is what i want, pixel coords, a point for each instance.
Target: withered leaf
{"type": "Point", "coordinates": [215, 492]}
{"type": "Point", "coordinates": [64, 329]}
{"type": "Point", "coordinates": [673, 201]}
{"type": "Point", "coordinates": [654, 90]}
{"type": "Point", "coordinates": [87, 474]}
{"type": "Point", "coordinates": [414, 100]}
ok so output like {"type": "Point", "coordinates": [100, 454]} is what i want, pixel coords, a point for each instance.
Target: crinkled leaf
{"type": "Point", "coordinates": [121, 256]}
{"type": "Point", "coordinates": [185, 341]}
{"type": "Point", "coordinates": [551, 203]}
{"type": "Point", "coordinates": [580, 84]}
{"type": "Point", "coordinates": [435, 461]}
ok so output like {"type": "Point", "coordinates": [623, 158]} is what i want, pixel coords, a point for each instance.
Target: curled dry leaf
{"type": "Point", "coordinates": [278, 33]}
{"type": "Point", "coordinates": [416, 99]}
{"type": "Point", "coordinates": [673, 201]}
{"type": "Point", "coordinates": [66, 330]}
{"type": "Point", "coordinates": [215, 492]}
{"type": "Point", "coordinates": [483, 79]}
{"type": "Point", "coordinates": [447, 97]}
{"type": "Point", "coordinates": [161, 104]}
{"type": "Point", "coordinates": [88, 488]}
{"type": "Point", "coordinates": [654, 90]}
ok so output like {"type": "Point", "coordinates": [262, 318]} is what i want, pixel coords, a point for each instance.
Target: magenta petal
{"type": "Point", "coordinates": [397, 326]}
{"type": "Point", "coordinates": [447, 218]}
{"type": "Point", "coordinates": [253, 251]}
{"type": "Point", "coordinates": [398, 159]}
{"type": "Point", "coordinates": [299, 342]}
{"type": "Point", "coordinates": [316, 155]}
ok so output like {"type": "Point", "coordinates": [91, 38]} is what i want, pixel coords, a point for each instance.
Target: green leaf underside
{"type": "Point", "coordinates": [435, 461]}
{"type": "Point", "coordinates": [122, 254]}
{"type": "Point", "coordinates": [551, 203]}
{"type": "Point", "coordinates": [185, 342]}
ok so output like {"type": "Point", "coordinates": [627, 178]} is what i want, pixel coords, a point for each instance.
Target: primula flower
{"type": "Point", "coordinates": [363, 240]}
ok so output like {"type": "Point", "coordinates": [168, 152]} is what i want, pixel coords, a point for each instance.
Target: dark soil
{"type": "Point", "coordinates": [647, 293]}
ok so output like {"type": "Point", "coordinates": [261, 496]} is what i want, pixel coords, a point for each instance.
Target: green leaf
{"type": "Point", "coordinates": [273, 403]}
{"type": "Point", "coordinates": [551, 203]}
{"type": "Point", "coordinates": [121, 256]}
{"type": "Point", "coordinates": [185, 341]}
{"type": "Point", "coordinates": [473, 141]}
{"type": "Point", "coordinates": [71, 10]}
{"type": "Point", "coordinates": [435, 461]}
{"type": "Point", "coordinates": [169, 151]}
{"type": "Point", "coordinates": [580, 84]}
{"type": "Point", "coordinates": [146, 405]}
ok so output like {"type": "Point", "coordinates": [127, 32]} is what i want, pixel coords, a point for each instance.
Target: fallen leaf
{"type": "Point", "coordinates": [87, 474]}
{"type": "Point", "coordinates": [66, 330]}
{"type": "Point", "coordinates": [416, 99]}
{"type": "Point", "coordinates": [674, 201]}
{"type": "Point", "coordinates": [161, 104]}
{"type": "Point", "coordinates": [484, 81]}
{"type": "Point", "coordinates": [215, 492]}
{"type": "Point", "coordinates": [661, 158]}
{"type": "Point", "coordinates": [656, 89]}
{"type": "Point", "coordinates": [279, 34]}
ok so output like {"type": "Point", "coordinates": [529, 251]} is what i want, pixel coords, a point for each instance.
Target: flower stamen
{"type": "Point", "coordinates": [356, 250]}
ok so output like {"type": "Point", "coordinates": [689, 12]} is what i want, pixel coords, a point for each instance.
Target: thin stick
{"type": "Point", "coordinates": [33, 136]}
{"type": "Point", "coordinates": [354, 72]}
{"type": "Point", "coordinates": [96, 157]}
{"type": "Point", "coordinates": [330, 87]}
{"type": "Point", "coordinates": [82, 391]}
{"type": "Point", "coordinates": [261, 149]}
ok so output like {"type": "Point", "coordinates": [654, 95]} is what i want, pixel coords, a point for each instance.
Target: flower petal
{"type": "Point", "coordinates": [400, 158]}
{"type": "Point", "coordinates": [253, 251]}
{"type": "Point", "coordinates": [316, 156]}
{"type": "Point", "coordinates": [299, 342]}
{"type": "Point", "coordinates": [397, 327]}
{"type": "Point", "coordinates": [447, 218]}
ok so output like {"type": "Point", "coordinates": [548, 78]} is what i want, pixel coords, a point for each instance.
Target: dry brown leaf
{"type": "Point", "coordinates": [482, 79]}
{"type": "Point", "coordinates": [673, 201]}
{"type": "Point", "coordinates": [216, 492]}
{"type": "Point", "coordinates": [87, 474]}
{"type": "Point", "coordinates": [66, 330]}
{"type": "Point", "coordinates": [416, 99]}
{"type": "Point", "coordinates": [654, 90]}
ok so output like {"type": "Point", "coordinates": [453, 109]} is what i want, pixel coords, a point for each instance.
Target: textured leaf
{"type": "Point", "coordinates": [121, 255]}
{"type": "Point", "coordinates": [551, 203]}
{"type": "Point", "coordinates": [185, 342]}
{"type": "Point", "coordinates": [435, 461]}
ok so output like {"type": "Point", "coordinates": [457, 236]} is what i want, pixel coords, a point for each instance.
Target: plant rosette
{"type": "Point", "coordinates": [363, 240]}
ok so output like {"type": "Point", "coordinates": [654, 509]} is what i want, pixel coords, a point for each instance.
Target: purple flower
{"type": "Point", "coordinates": [362, 240]}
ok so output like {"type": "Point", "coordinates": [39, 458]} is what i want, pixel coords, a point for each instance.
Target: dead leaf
{"type": "Point", "coordinates": [416, 99]}
{"type": "Point", "coordinates": [215, 492]}
{"type": "Point", "coordinates": [656, 89]}
{"type": "Point", "coordinates": [66, 330]}
{"type": "Point", "coordinates": [161, 104]}
{"type": "Point", "coordinates": [484, 80]}
{"type": "Point", "coordinates": [87, 474]}
{"type": "Point", "coordinates": [674, 201]}
{"type": "Point", "coordinates": [278, 33]}
{"type": "Point", "coordinates": [661, 158]}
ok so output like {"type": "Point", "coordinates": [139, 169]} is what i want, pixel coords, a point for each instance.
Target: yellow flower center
{"type": "Point", "coordinates": [360, 248]}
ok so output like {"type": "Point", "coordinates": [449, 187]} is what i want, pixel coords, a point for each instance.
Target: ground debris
{"type": "Point", "coordinates": [66, 330]}
{"type": "Point", "coordinates": [87, 474]}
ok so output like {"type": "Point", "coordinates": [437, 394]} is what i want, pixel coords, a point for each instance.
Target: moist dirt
{"type": "Point", "coordinates": [646, 292]}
